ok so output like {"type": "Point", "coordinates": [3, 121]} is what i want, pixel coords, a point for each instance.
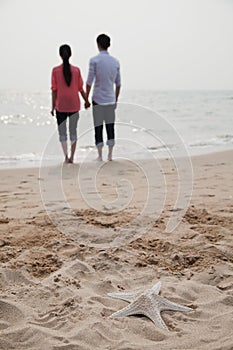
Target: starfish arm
{"type": "Point", "coordinates": [169, 305]}
{"type": "Point", "coordinates": [125, 296]}
{"type": "Point", "coordinates": [156, 288]}
{"type": "Point", "coordinates": [131, 296]}
{"type": "Point", "coordinates": [154, 315]}
{"type": "Point", "coordinates": [126, 311]}
{"type": "Point", "coordinates": [137, 307]}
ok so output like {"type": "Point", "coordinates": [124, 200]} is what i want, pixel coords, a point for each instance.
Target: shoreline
{"type": "Point", "coordinates": [55, 280]}
{"type": "Point", "coordinates": [37, 164]}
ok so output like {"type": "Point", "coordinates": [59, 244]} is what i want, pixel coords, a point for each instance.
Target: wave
{"type": "Point", "coordinates": [215, 141]}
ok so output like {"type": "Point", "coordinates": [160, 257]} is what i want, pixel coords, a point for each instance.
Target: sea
{"type": "Point", "coordinates": [149, 124]}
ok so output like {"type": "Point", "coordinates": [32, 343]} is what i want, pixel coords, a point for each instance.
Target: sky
{"type": "Point", "coordinates": [161, 44]}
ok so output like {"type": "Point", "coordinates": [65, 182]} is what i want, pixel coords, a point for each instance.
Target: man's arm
{"type": "Point", "coordinates": [117, 92]}
{"type": "Point", "coordinates": [91, 77]}
{"type": "Point", "coordinates": [88, 89]}
{"type": "Point", "coordinates": [118, 83]}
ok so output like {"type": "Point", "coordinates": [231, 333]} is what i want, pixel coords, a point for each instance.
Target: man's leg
{"type": "Point", "coordinates": [99, 141]}
{"type": "Point", "coordinates": [110, 128]}
{"type": "Point", "coordinates": [111, 139]}
{"type": "Point", "coordinates": [98, 123]}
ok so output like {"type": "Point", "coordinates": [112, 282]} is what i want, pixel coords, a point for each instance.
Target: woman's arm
{"type": "Point", "coordinates": [85, 97]}
{"type": "Point", "coordinates": [54, 97]}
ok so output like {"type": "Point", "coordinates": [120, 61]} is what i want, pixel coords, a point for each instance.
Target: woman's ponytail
{"type": "Point", "coordinates": [65, 53]}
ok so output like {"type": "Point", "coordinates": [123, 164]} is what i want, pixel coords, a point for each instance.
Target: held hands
{"type": "Point", "coordinates": [87, 104]}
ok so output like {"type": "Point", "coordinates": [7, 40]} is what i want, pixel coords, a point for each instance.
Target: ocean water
{"type": "Point", "coordinates": [148, 124]}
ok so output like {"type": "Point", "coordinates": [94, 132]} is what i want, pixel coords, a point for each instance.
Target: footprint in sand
{"type": "Point", "coordinates": [10, 315]}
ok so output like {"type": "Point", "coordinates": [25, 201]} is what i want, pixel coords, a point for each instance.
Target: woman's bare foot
{"type": "Point", "coordinates": [66, 161]}
{"type": "Point", "coordinates": [99, 159]}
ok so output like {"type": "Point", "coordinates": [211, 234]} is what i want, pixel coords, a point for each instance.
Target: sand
{"type": "Point", "coordinates": [65, 243]}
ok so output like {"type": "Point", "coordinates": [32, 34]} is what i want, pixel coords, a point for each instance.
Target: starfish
{"type": "Point", "coordinates": [147, 303]}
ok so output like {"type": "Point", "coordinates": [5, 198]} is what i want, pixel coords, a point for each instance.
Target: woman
{"type": "Point", "coordinates": [67, 83]}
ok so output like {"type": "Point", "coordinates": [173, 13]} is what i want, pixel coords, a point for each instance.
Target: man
{"type": "Point", "coordinates": [104, 71]}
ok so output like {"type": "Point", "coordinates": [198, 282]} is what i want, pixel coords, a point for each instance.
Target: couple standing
{"type": "Point", "coordinates": [67, 83]}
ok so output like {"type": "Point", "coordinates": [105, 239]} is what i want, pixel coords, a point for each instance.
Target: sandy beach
{"type": "Point", "coordinates": [66, 241]}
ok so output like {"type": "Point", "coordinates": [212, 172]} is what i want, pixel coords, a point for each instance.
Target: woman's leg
{"type": "Point", "coordinates": [61, 123]}
{"type": "Point", "coordinates": [73, 148]}
{"type": "Point", "coordinates": [73, 122]}
{"type": "Point", "coordinates": [65, 151]}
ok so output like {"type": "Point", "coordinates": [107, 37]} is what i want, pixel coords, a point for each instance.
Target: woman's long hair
{"type": "Point", "coordinates": [65, 53]}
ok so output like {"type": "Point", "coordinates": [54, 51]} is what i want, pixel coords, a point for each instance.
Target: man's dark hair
{"type": "Point", "coordinates": [103, 41]}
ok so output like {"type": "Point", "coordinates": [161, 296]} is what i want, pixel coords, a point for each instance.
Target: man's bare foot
{"type": "Point", "coordinates": [110, 149]}
{"type": "Point", "coordinates": [99, 159]}
{"type": "Point", "coordinates": [70, 161]}
{"type": "Point", "coordinates": [66, 160]}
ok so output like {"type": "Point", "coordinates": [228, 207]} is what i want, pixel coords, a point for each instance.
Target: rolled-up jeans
{"type": "Point", "coordinates": [62, 128]}
{"type": "Point", "coordinates": [101, 114]}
